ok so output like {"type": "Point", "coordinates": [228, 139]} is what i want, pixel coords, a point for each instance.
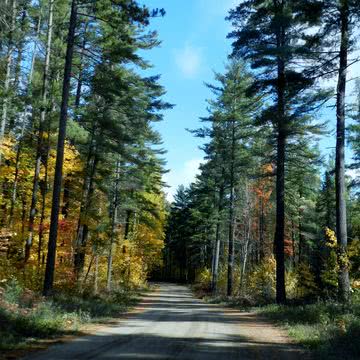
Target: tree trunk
{"type": "Point", "coordinates": [20, 47]}
{"type": "Point", "coordinates": [280, 174]}
{"type": "Point", "coordinates": [80, 80]}
{"type": "Point", "coordinates": [23, 125]}
{"type": "Point", "coordinates": [82, 230]}
{"type": "Point", "coordinates": [262, 230]}
{"type": "Point", "coordinates": [96, 275]}
{"type": "Point", "coordinates": [40, 145]}
{"type": "Point", "coordinates": [301, 236]}
{"type": "Point", "coordinates": [280, 221]}
{"type": "Point", "coordinates": [15, 184]}
{"type": "Point", "coordinates": [341, 229]}
{"type": "Point", "coordinates": [231, 251]}
{"type": "Point", "coordinates": [9, 58]}
{"type": "Point", "coordinates": [33, 58]}
{"type": "Point", "coordinates": [247, 232]}
{"type": "Point", "coordinates": [113, 223]}
{"type": "Point", "coordinates": [43, 203]}
{"type": "Point", "coordinates": [127, 224]}
{"type": "Point", "coordinates": [50, 261]}
{"type": "Point", "coordinates": [215, 273]}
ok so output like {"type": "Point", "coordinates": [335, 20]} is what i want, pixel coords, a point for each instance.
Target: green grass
{"type": "Point", "coordinates": [329, 329]}
{"type": "Point", "coordinates": [26, 317]}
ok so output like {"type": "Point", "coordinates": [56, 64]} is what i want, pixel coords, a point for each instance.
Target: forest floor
{"type": "Point", "coordinates": [170, 323]}
{"type": "Point", "coordinates": [29, 322]}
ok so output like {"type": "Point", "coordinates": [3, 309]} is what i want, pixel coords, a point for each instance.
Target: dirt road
{"type": "Point", "coordinates": [171, 324]}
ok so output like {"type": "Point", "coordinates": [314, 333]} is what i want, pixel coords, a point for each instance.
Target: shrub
{"type": "Point", "coordinates": [13, 291]}
{"type": "Point", "coordinates": [262, 281]}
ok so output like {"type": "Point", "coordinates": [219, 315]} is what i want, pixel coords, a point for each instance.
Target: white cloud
{"type": "Point", "coordinates": [183, 176]}
{"type": "Point", "coordinates": [189, 60]}
{"type": "Point", "coordinates": [353, 173]}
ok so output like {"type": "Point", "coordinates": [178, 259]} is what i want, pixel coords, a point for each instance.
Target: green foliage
{"type": "Point", "coordinates": [329, 329]}
{"type": "Point", "coordinates": [13, 291]}
{"type": "Point", "coordinates": [41, 318]}
{"type": "Point", "coordinates": [306, 281]}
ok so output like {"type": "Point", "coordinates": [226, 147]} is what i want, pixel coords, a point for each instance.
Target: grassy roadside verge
{"type": "Point", "coordinates": [328, 329]}
{"type": "Point", "coordinates": [27, 318]}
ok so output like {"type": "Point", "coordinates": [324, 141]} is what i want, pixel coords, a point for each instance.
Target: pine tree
{"type": "Point", "coordinates": [269, 34]}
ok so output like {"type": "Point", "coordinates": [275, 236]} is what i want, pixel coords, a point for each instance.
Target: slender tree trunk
{"type": "Point", "coordinates": [9, 58]}
{"type": "Point", "coordinates": [89, 268]}
{"type": "Point", "coordinates": [40, 145]}
{"type": "Point", "coordinates": [15, 184]}
{"type": "Point", "coordinates": [127, 224]}
{"type": "Point", "coordinates": [80, 80]}
{"type": "Point", "coordinates": [43, 203]}
{"type": "Point", "coordinates": [280, 174]}
{"type": "Point", "coordinates": [23, 125]}
{"type": "Point", "coordinates": [215, 274]}
{"type": "Point", "coordinates": [262, 230]}
{"type": "Point", "coordinates": [301, 236]}
{"type": "Point", "coordinates": [96, 275]}
{"type": "Point", "coordinates": [247, 232]}
{"type": "Point", "coordinates": [33, 58]}
{"type": "Point", "coordinates": [341, 225]}
{"type": "Point", "coordinates": [280, 221]}
{"type": "Point", "coordinates": [293, 243]}
{"type": "Point", "coordinates": [20, 48]}
{"type": "Point", "coordinates": [113, 223]}
{"type": "Point", "coordinates": [82, 230]}
{"type": "Point", "coordinates": [50, 261]}
{"type": "Point", "coordinates": [231, 251]}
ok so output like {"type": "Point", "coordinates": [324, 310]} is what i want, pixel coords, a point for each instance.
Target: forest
{"type": "Point", "coordinates": [273, 217]}
{"type": "Point", "coordinates": [272, 212]}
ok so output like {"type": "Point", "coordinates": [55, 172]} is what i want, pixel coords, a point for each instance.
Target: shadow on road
{"type": "Point", "coordinates": [172, 324]}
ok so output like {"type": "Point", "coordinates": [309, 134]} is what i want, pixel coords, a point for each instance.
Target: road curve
{"type": "Point", "coordinates": [171, 324]}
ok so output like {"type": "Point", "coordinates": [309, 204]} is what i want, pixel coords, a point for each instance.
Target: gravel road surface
{"type": "Point", "coordinates": [171, 324]}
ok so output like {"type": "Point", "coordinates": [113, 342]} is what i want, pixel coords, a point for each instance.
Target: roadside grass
{"type": "Point", "coordinates": [26, 317]}
{"type": "Point", "coordinates": [329, 329]}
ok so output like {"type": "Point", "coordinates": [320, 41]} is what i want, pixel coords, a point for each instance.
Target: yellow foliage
{"type": "Point", "coordinates": [331, 240]}
{"type": "Point", "coordinates": [263, 279]}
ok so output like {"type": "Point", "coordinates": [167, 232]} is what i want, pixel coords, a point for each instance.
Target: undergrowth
{"type": "Point", "coordinates": [26, 316]}
{"type": "Point", "coordinates": [331, 330]}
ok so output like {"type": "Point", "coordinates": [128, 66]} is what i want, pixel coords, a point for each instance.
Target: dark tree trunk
{"type": "Point", "coordinates": [44, 190]}
{"type": "Point", "coordinates": [231, 252]}
{"type": "Point", "coordinates": [301, 236]}
{"type": "Point", "coordinates": [341, 230]}
{"type": "Point", "coordinates": [54, 220]}
{"type": "Point", "coordinates": [280, 171]}
{"type": "Point", "coordinates": [262, 229]}
{"type": "Point", "coordinates": [113, 224]}
{"type": "Point", "coordinates": [127, 224]}
{"type": "Point", "coordinates": [280, 221]}
{"type": "Point", "coordinates": [82, 231]}
{"type": "Point", "coordinates": [215, 273]}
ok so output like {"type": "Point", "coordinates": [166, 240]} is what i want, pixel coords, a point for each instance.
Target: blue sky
{"type": "Point", "coordinates": [194, 45]}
